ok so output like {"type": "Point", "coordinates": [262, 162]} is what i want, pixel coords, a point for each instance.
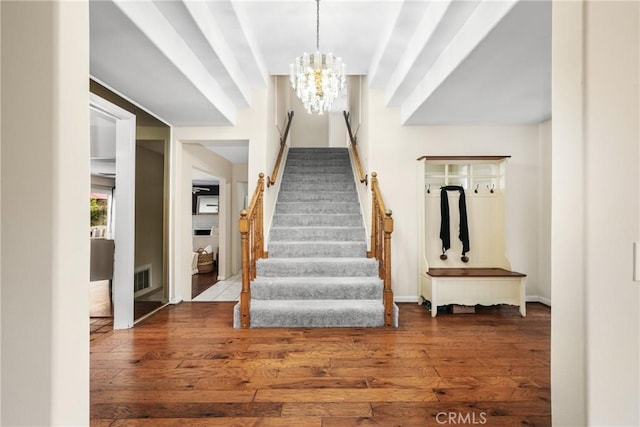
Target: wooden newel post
{"type": "Point", "coordinates": [245, 295]}
{"type": "Point", "coordinates": [388, 292]}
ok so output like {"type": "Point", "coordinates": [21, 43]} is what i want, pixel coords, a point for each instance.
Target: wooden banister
{"type": "Point", "coordinates": [352, 138]}
{"type": "Point", "coordinates": [283, 140]}
{"type": "Point", "coordinates": [381, 229]}
{"type": "Point", "coordinates": [252, 246]}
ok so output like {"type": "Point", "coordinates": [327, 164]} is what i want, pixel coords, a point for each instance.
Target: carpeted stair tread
{"type": "Point", "coordinates": [307, 220]}
{"type": "Point", "coordinates": [346, 177]}
{"type": "Point", "coordinates": [317, 187]}
{"type": "Point", "coordinates": [316, 170]}
{"type": "Point", "coordinates": [317, 233]}
{"type": "Point", "coordinates": [317, 207]}
{"type": "Point", "coordinates": [317, 267]}
{"type": "Point", "coordinates": [318, 248]}
{"type": "Point", "coordinates": [316, 196]}
{"type": "Point", "coordinates": [318, 288]}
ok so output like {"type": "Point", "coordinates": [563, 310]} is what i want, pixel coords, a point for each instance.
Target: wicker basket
{"type": "Point", "coordinates": [205, 261]}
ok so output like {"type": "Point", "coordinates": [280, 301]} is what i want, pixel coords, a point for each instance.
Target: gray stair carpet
{"type": "Point", "coordinates": [317, 273]}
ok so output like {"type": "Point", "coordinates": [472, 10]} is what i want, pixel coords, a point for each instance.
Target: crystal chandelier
{"type": "Point", "coordinates": [317, 78]}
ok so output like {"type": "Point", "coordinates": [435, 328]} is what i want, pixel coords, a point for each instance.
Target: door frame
{"type": "Point", "coordinates": [124, 218]}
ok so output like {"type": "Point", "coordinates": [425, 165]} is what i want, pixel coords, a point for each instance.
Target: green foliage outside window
{"type": "Point", "coordinates": [98, 212]}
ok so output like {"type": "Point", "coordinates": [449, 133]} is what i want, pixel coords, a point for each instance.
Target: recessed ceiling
{"type": "Point", "coordinates": [454, 62]}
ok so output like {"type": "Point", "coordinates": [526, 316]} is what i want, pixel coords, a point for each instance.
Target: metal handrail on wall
{"type": "Point", "coordinates": [283, 139]}
{"type": "Point", "coordinates": [352, 138]}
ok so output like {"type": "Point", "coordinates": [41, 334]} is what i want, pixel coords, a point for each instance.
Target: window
{"type": "Point", "coordinates": [100, 205]}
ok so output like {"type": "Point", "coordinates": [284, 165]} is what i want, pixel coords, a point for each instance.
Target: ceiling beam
{"type": "Point", "coordinates": [416, 48]}
{"type": "Point", "coordinates": [197, 27]}
{"type": "Point", "coordinates": [483, 19]}
{"type": "Point", "coordinates": [257, 72]}
{"type": "Point", "coordinates": [152, 23]}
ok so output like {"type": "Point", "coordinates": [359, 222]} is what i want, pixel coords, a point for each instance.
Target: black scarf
{"type": "Point", "coordinates": [463, 235]}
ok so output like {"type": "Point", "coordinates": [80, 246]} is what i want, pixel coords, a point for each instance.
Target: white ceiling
{"type": "Point", "coordinates": [439, 62]}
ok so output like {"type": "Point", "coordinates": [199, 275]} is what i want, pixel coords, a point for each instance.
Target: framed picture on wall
{"type": "Point", "coordinates": [207, 205]}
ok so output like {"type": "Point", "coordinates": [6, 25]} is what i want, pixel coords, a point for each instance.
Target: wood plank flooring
{"type": "Point", "coordinates": [200, 282]}
{"type": "Point", "coordinates": [186, 365]}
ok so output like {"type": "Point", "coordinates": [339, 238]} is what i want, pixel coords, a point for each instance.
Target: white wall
{"type": "Point", "coordinates": [240, 190]}
{"type": "Point", "coordinates": [308, 130]}
{"type": "Point", "coordinates": [568, 368]}
{"type": "Point", "coordinates": [257, 125]}
{"type": "Point", "coordinates": [357, 108]}
{"type": "Point", "coordinates": [149, 213]}
{"type": "Point", "coordinates": [45, 332]}
{"type": "Point", "coordinates": [595, 213]}
{"type": "Point", "coordinates": [392, 151]}
{"type": "Point", "coordinates": [544, 218]}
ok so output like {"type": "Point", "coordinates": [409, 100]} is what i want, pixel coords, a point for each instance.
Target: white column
{"type": "Point", "coordinates": [568, 335]}
{"type": "Point", "coordinates": [44, 189]}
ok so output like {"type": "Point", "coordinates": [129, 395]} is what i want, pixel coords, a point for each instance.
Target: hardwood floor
{"type": "Point", "coordinates": [186, 365]}
{"type": "Point", "coordinates": [200, 282]}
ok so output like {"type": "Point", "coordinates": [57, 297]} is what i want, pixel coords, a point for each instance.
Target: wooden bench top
{"type": "Point", "coordinates": [473, 272]}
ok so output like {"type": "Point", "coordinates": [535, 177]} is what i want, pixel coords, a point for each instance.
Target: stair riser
{"type": "Point", "coordinates": [317, 208]}
{"type": "Point", "coordinates": [346, 178]}
{"type": "Point", "coordinates": [311, 157]}
{"type": "Point", "coordinates": [317, 250]}
{"type": "Point", "coordinates": [345, 164]}
{"type": "Point", "coordinates": [318, 187]}
{"type": "Point", "coordinates": [350, 319]}
{"type": "Point", "coordinates": [268, 268]}
{"type": "Point", "coordinates": [304, 234]}
{"type": "Point", "coordinates": [318, 170]}
{"type": "Point", "coordinates": [324, 196]}
{"type": "Point", "coordinates": [320, 150]}
{"type": "Point", "coordinates": [292, 292]}
{"type": "Point", "coordinates": [292, 220]}
{"type": "Point", "coordinates": [358, 316]}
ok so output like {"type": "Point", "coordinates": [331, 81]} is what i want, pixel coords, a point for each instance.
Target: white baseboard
{"type": "Point", "coordinates": [405, 299]}
{"type": "Point", "coordinates": [538, 298]}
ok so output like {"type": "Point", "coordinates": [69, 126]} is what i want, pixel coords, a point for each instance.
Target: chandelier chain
{"type": "Point", "coordinates": [317, 25]}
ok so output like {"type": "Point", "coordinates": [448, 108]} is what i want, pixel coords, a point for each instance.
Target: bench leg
{"type": "Point", "coordinates": [523, 297]}
{"type": "Point", "coordinates": [523, 309]}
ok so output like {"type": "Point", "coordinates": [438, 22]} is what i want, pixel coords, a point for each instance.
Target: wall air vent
{"type": "Point", "coordinates": [142, 278]}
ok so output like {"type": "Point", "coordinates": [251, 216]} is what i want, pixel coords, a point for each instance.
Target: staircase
{"type": "Point", "coordinates": [317, 273]}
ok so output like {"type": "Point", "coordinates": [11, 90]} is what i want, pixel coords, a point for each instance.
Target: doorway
{"type": "Point", "coordinates": [205, 228]}
{"type": "Point", "coordinates": [101, 231]}
{"type": "Point", "coordinates": [141, 206]}
{"type": "Point", "coordinates": [112, 209]}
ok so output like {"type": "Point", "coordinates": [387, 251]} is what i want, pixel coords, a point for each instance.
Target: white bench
{"type": "Point", "coordinates": [471, 286]}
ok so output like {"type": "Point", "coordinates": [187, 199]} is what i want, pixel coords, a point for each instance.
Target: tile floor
{"type": "Point", "coordinates": [223, 290]}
